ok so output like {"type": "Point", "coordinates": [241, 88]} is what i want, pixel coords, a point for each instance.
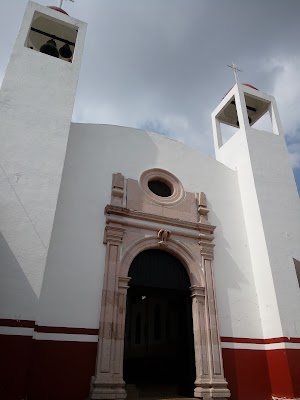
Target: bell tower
{"type": "Point", "coordinates": [271, 208]}
{"type": "Point", "coordinates": [36, 105]}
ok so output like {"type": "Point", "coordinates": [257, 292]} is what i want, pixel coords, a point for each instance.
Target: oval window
{"type": "Point", "coordinates": [159, 188]}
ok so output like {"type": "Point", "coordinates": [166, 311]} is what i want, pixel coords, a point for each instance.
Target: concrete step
{"type": "Point", "coordinates": [152, 392]}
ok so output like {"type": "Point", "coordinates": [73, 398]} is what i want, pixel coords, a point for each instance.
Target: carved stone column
{"type": "Point", "coordinates": [108, 382]}
{"type": "Point", "coordinates": [212, 385]}
{"type": "Point", "coordinates": [200, 340]}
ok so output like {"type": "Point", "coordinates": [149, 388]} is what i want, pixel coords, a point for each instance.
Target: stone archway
{"type": "Point", "coordinates": [159, 343]}
{"type": "Point", "coordinates": [129, 232]}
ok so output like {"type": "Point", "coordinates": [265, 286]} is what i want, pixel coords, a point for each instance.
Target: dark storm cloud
{"type": "Point", "coordinates": [162, 64]}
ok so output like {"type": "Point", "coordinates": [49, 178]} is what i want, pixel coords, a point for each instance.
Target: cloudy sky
{"type": "Point", "coordinates": [161, 65]}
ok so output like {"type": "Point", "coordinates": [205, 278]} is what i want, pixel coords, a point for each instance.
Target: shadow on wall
{"type": "Point", "coordinates": [238, 362]}
{"type": "Point", "coordinates": [232, 282]}
{"type": "Point", "coordinates": [17, 297]}
{"type": "Point", "coordinates": [15, 294]}
{"type": "Point", "coordinates": [94, 153]}
{"type": "Point", "coordinates": [73, 278]}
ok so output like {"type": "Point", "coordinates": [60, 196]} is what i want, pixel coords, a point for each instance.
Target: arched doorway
{"type": "Point", "coordinates": [133, 226]}
{"type": "Point", "coordinates": [159, 341]}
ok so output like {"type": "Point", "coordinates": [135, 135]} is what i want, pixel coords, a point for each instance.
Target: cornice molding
{"type": "Point", "coordinates": [138, 215]}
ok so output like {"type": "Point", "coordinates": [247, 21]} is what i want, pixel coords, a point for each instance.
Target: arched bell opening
{"type": "Point", "coordinates": [159, 343]}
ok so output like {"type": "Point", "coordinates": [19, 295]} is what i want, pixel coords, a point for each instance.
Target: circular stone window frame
{"type": "Point", "coordinates": [169, 179]}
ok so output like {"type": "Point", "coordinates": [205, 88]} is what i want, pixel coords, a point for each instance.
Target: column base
{"type": "Point", "coordinates": [207, 392]}
{"type": "Point", "coordinates": [107, 390]}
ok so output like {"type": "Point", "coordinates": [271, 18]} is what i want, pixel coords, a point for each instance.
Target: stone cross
{"type": "Point", "coordinates": [60, 3]}
{"type": "Point", "coordinates": [235, 71]}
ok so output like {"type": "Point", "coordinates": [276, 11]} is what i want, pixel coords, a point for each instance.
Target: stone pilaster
{"type": "Point", "coordinates": [202, 358]}
{"type": "Point", "coordinates": [215, 387]}
{"type": "Point", "coordinates": [108, 382]}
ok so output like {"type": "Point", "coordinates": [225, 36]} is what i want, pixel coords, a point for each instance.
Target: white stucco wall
{"type": "Point", "coordinates": [280, 214]}
{"type": "Point", "coordinates": [271, 209]}
{"type": "Point", "coordinates": [36, 104]}
{"type": "Point", "coordinates": [72, 285]}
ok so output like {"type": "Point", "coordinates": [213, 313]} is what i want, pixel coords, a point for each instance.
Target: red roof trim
{"type": "Point", "coordinates": [58, 9]}
{"type": "Point", "coordinates": [244, 84]}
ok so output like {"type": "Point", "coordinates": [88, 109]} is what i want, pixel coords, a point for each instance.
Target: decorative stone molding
{"type": "Point", "coordinates": [207, 248]}
{"type": "Point", "coordinates": [177, 191]}
{"type": "Point", "coordinates": [202, 207]}
{"type": "Point", "coordinates": [113, 234]}
{"type": "Point", "coordinates": [117, 191]}
{"type": "Point", "coordinates": [200, 229]}
{"type": "Point", "coordinates": [198, 291]}
{"type": "Point", "coordinates": [129, 232]}
{"type": "Point", "coordinates": [179, 250]}
{"type": "Point", "coordinates": [205, 236]}
{"type": "Point", "coordinates": [163, 235]}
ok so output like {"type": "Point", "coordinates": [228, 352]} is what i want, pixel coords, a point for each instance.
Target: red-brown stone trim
{"type": "Point", "coordinates": [117, 190]}
{"type": "Point", "coordinates": [174, 247]}
{"type": "Point", "coordinates": [200, 228]}
{"type": "Point", "coordinates": [129, 232]}
{"type": "Point", "coordinates": [202, 207]}
{"type": "Point", "coordinates": [166, 177]}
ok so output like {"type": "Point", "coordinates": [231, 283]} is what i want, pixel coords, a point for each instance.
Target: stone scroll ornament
{"type": "Point", "coordinates": [163, 236]}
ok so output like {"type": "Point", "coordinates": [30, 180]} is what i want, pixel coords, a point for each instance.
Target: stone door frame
{"type": "Point", "coordinates": [127, 233]}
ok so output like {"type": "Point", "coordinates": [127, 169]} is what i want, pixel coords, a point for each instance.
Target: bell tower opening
{"type": "Point", "coordinates": [244, 108]}
{"type": "Point", "coordinates": [53, 37]}
{"type": "Point", "coordinates": [159, 356]}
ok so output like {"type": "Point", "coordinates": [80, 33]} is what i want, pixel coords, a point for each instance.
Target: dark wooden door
{"type": "Point", "coordinates": [159, 344]}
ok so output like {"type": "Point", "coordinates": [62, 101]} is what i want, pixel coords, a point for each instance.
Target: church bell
{"type": "Point", "coordinates": [65, 51]}
{"type": "Point", "coordinates": [249, 119]}
{"type": "Point", "coordinates": [50, 48]}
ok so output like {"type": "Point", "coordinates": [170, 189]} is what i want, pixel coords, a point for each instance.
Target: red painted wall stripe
{"type": "Point", "coordinates": [63, 370]}
{"type": "Point", "coordinates": [260, 341]}
{"type": "Point", "coordinates": [89, 331]}
{"type": "Point", "coordinates": [47, 329]}
{"type": "Point", "coordinates": [60, 329]}
{"type": "Point", "coordinates": [17, 323]}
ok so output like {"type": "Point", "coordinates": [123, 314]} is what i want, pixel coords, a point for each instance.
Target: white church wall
{"type": "Point", "coordinates": [270, 201]}
{"type": "Point", "coordinates": [235, 154]}
{"type": "Point", "coordinates": [71, 292]}
{"type": "Point", "coordinates": [280, 213]}
{"type": "Point", "coordinates": [36, 104]}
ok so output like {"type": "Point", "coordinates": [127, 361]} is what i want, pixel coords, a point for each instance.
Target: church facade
{"type": "Point", "coordinates": [133, 265]}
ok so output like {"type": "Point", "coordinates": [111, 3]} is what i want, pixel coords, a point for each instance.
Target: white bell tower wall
{"type": "Point", "coordinates": [270, 202]}
{"type": "Point", "coordinates": [36, 104]}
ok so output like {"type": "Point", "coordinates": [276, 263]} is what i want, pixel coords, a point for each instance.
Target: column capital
{"type": "Point", "coordinates": [197, 291]}
{"type": "Point", "coordinates": [113, 233]}
{"type": "Point", "coordinates": [123, 282]}
{"type": "Point", "coordinates": [207, 249]}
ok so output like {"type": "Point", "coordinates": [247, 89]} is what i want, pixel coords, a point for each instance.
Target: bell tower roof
{"type": "Point", "coordinates": [58, 9]}
{"type": "Point", "coordinates": [244, 84]}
